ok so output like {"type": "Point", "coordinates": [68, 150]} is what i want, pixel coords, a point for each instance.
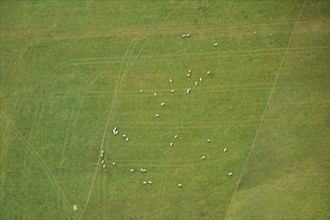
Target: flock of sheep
{"type": "Point", "coordinates": [115, 130]}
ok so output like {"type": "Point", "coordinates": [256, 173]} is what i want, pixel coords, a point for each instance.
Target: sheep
{"type": "Point", "coordinates": [144, 182]}
{"type": "Point", "coordinates": [229, 174]}
{"type": "Point", "coordinates": [189, 71]}
{"type": "Point", "coordinates": [126, 139]}
{"type": "Point", "coordinates": [208, 72]}
{"type": "Point", "coordinates": [144, 170]}
{"type": "Point", "coordinates": [188, 35]}
{"type": "Point", "coordinates": [162, 104]}
{"type": "Point", "coordinates": [172, 91]}
{"type": "Point", "coordinates": [149, 182]}
{"type": "Point", "coordinates": [216, 44]}
{"type": "Point", "coordinates": [141, 90]}
{"type": "Point", "coordinates": [188, 74]}
{"type": "Point", "coordinates": [102, 162]}
{"type": "Point", "coordinates": [103, 166]}
{"type": "Point", "coordinates": [141, 169]}
{"type": "Point", "coordinates": [171, 144]}
{"type": "Point", "coordinates": [200, 79]}
{"type": "Point", "coordinates": [203, 157]}
{"type": "Point", "coordinates": [179, 185]}
{"type": "Point", "coordinates": [124, 135]}
{"type": "Point", "coordinates": [155, 94]}
{"type": "Point", "coordinates": [170, 80]}
{"type": "Point", "coordinates": [113, 164]}
{"type": "Point", "coordinates": [131, 170]}
{"type": "Point", "coordinates": [255, 32]}
{"type": "Point", "coordinates": [208, 141]}
{"type": "Point", "coordinates": [196, 83]}
{"type": "Point", "coordinates": [176, 136]}
{"type": "Point", "coordinates": [225, 150]}
{"type": "Point", "coordinates": [183, 36]}
{"type": "Point", "coordinates": [157, 115]}
{"type": "Point", "coordinates": [188, 91]}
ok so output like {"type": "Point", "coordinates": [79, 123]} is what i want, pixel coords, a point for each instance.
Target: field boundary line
{"type": "Point", "coordinates": [40, 160]}
{"type": "Point", "coordinates": [263, 114]}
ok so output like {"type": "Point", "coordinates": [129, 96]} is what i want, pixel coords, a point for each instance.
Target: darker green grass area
{"type": "Point", "coordinates": [71, 71]}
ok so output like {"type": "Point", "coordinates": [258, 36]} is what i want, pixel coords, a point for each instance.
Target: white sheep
{"type": "Point", "coordinates": [172, 91]}
{"type": "Point", "coordinates": [225, 150]}
{"type": "Point", "coordinates": [229, 174]}
{"type": "Point", "coordinates": [179, 185]}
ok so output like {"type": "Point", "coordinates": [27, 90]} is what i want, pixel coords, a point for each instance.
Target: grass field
{"type": "Point", "coordinates": [72, 70]}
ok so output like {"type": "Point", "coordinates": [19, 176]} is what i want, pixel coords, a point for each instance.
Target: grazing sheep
{"type": "Point", "coordinates": [124, 135]}
{"type": "Point", "coordinates": [102, 162]}
{"type": "Point", "coordinates": [208, 72]}
{"type": "Point", "coordinates": [176, 136]}
{"type": "Point", "coordinates": [216, 44]}
{"type": "Point", "coordinates": [113, 164]}
{"type": "Point", "coordinates": [188, 74]}
{"type": "Point", "coordinates": [229, 174]}
{"type": "Point", "coordinates": [189, 71]}
{"type": "Point", "coordinates": [144, 182]}
{"type": "Point", "coordinates": [171, 81]}
{"type": "Point", "coordinates": [179, 185]}
{"type": "Point", "coordinates": [203, 157]}
{"type": "Point", "coordinates": [171, 144]}
{"type": "Point", "coordinates": [157, 115]}
{"type": "Point", "coordinates": [225, 150]}
{"type": "Point", "coordinates": [183, 36]}
{"type": "Point", "coordinates": [103, 166]}
{"type": "Point", "coordinates": [149, 182]}
{"type": "Point", "coordinates": [141, 90]}
{"type": "Point", "coordinates": [200, 79]}
{"type": "Point", "coordinates": [126, 139]}
{"type": "Point", "coordinates": [188, 91]}
{"type": "Point", "coordinates": [131, 170]}
{"type": "Point", "coordinates": [208, 141]}
{"type": "Point", "coordinates": [172, 91]}
{"type": "Point", "coordinates": [188, 35]}
{"type": "Point", "coordinates": [155, 94]}
{"type": "Point", "coordinates": [196, 83]}
{"type": "Point", "coordinates": [162, 104]}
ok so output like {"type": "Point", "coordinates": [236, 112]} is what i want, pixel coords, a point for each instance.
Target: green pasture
{"type": "Point", "coordinates": [72, 70]}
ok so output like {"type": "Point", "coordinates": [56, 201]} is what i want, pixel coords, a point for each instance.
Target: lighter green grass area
{"type": "Point", "coordinates": [71, 71]}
